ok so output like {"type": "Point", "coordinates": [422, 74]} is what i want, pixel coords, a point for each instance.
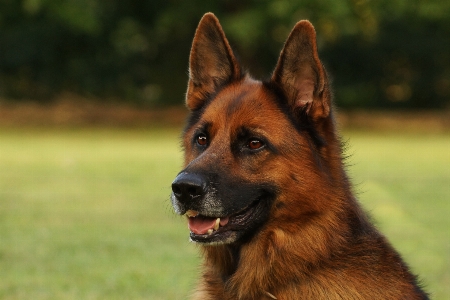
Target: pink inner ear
{"type": "Point", "coordinates": [305, 88]}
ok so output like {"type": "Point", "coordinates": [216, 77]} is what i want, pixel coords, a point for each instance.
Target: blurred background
{"type": "Point", "coordinates": [91, 110]}
{"type": "Point", "coordinates": [381, 54]}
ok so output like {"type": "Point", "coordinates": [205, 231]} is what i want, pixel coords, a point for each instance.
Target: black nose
{"type": "Point", "coordinates": [187, 186]}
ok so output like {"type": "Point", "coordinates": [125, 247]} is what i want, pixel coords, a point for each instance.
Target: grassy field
{"type": "Point", "coordinates": [85, 213]}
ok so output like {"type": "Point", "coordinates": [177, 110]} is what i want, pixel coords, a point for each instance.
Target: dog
{"type": "Point", "coordinates": [264, 186]}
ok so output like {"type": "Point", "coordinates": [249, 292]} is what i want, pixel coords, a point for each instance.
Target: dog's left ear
{"type": "Point", "coordinates": [211, 63]}
{"type": "Point", "coordinates": [300, 73]}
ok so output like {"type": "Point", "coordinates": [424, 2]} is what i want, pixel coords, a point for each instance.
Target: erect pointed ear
{"type": "Point", "coordinates": [301, 75]}
{"type": "Point", "coordinates": [211, 64]}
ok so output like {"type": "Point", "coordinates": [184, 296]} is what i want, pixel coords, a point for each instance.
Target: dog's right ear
{"type": "Point", "coordinates": [211, 64]}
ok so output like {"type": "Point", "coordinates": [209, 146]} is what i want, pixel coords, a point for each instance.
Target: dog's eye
{"type": "Point", "coordinates": [201, 139]}
{"type": "Point", "coordinates": [255, 144]}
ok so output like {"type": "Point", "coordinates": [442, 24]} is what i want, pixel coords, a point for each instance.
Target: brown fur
{"type": "Point", "coordinates": [316, 242]}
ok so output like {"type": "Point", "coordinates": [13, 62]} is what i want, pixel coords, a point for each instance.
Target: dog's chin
{"type": "Point", "coordinates": [233, 228]}
{"type": "Point", "coordinates": [214, 239]}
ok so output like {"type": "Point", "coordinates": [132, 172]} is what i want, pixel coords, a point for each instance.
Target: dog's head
{"type": "Point", "coordinates": [248, 142]}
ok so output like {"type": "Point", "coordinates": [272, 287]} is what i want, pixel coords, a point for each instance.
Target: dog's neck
{"type": "Point", "coordinates": [224, 258]}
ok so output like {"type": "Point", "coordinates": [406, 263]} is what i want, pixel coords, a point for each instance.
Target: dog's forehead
{"type": "Point", "coordinates": [243, 104]}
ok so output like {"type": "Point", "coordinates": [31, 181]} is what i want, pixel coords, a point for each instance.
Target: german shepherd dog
{"type": "Point", "coordinates": [264, 186]}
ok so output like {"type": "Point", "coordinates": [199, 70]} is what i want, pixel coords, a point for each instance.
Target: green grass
{"type": "Point", "coordinates": [85, 214]}
{"type": "Point", "coordinates": [403, 180]}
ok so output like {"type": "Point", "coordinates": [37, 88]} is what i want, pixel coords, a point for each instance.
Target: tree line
{"type": "Point", "coordinates": [380, 54]}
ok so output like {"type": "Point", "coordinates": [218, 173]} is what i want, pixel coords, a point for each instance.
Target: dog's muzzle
{"type": "Point", "coordinates": [188, 187]}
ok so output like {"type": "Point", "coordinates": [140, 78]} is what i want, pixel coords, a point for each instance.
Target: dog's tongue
{"type": "Point", "coordinates": [201, 224]}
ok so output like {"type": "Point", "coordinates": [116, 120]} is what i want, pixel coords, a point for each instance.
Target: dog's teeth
{"type": "Point", "coordinates": [191, 213]}
{"type": "Point", "coordinates": [210, 231]}
{"type": "Point", "coordinates": [216, 226]}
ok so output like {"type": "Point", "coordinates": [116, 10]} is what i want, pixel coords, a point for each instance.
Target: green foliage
{"type": "Point", "coordinates": [85, 214]}
{"type": "Point", "coordinates": [380, 53]}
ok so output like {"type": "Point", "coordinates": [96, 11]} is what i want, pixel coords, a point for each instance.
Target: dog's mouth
{"type": "Point", "coordinates": [224, 229]}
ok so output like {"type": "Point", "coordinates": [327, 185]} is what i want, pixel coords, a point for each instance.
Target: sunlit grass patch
{"type": "Point", "coordinates": [85, 213]}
